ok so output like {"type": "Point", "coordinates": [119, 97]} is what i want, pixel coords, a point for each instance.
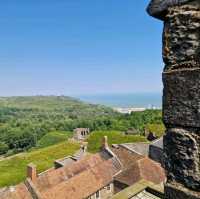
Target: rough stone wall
{"type": "Point", "coordinates": [181, 46]}
{"type": "Point", "coordinates": [181, 96]}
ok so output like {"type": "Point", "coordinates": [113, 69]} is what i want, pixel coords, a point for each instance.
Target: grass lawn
{"type": "Point", "coordinates": [53, 138]}
{"type": "Point", "coordinates": [13, 170]}
{"type": "Point", "coordinates": [114, 137]}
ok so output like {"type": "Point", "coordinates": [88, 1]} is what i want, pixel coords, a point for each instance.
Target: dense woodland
{"type": "Point", "coordinates": [24, 121]}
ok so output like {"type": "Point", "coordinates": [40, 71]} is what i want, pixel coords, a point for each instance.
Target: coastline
{"type": "Point", "coordinates": [126, 101]}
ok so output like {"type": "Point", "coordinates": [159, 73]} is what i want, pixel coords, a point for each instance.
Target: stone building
{"type": "Point", "coordinates": [156, 151]}
{"type": "Point", "coordinates": [181, 98]}
{"type": "Point", "coordinates": [81, 133]}
{"type": "Point", "coordinates": [94, 176]}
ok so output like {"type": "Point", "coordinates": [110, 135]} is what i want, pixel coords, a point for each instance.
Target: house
{"type": "Point", "coordinates": [154, 150]}
{"type": "Point", "coordinates": [94, 176]}
{"type": "Point", "coordinates": [81, 133]}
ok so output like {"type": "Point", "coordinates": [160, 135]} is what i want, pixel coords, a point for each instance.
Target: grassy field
{"type": "Point", "coordinates": [53, 138]}
{"type": "Point", "coordinates": [13, 170]}
{"type": "Point", "coordinates": [114, 137]}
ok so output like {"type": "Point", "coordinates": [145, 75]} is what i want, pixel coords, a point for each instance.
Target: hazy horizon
{"type": "Point", "coordinates": [125, 100]}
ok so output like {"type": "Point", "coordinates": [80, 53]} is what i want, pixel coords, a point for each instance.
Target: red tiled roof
{"type": "Point", "coordinates": [84, 184]}
{"type": "Point", "coordinates": [144, 168]}
{"type": "Point", "coordinates": [50, 179]}
{"type": "Point", "coordinates": [18, 192]}
{"type": "Point", "coordinates": [126, 156]}
{"type": "Point", "coordinates": [86, 176]}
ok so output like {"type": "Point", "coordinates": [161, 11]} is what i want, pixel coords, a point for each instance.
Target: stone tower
{"type": "Point", "coordinates": [181, 98]}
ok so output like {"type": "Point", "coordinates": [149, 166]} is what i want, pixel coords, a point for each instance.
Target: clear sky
{"type": "Point", "coordinates": [73, 47]}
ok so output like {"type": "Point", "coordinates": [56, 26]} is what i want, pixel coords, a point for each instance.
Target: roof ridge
{"type": "Point", "coordinates": [34, 192]}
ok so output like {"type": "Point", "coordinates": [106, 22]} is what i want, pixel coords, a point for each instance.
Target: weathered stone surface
{"type": "Point", "coordinates": [175, 190]}
{"type": "Point", "coordinates": [181, 98]}
{"type": "Point", "coordinates": [158, 8]}
{"type": "Point", "coordinates": [181, 37]}
{"type": "Point", "coordinates": [181, 156]}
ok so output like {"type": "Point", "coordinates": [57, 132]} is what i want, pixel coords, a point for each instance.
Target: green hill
{"type": "Point", "coordinates": [25, 120]}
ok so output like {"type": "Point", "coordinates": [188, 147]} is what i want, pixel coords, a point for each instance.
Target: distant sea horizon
{"type": "Point", "coordinates": [135, 100]}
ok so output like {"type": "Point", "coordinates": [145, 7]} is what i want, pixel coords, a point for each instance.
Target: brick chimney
{"type": "Point", "coordinates": [105, 142]}
{"type": "Point", "coordinates": [31, 172]}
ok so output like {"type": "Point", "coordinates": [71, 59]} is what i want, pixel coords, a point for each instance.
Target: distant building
{"type": "Point", "coordinates": [131, 131]}
{"type": "Point", "coordinates": [129, 110]}
{"type": "Point", "coordinates": [93, 176]}
{"type": "Point", "coordinates": [81, 133]}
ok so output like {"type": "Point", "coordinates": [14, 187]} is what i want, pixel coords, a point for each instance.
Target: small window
{"type": "Point", "coordinates": [97, 194]}
{"type": "Point", "coordinates": [109, 187]}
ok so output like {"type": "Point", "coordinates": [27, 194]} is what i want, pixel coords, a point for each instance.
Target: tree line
{"type": "Point", "coordinates": [22, 125]}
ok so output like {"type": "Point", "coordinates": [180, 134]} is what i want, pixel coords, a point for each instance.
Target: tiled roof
{"type": "Point", "coordinates": [50, 179]}
{"type": "Point", "coordinates": [18, 192]}
{"type": "Point", "coordinates": [143, 168]}
{"type": "Point", "coordinates": [140, 148]}
{"type": "Point", "coordinates": [88, 175]}
{"type": "Point", "coordinates": [126, 157]}
{"type": "Point", "coordinates": [84, 184]}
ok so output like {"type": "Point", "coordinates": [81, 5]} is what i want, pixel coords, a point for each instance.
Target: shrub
{"type": "Point", "coordinates": [3, 148]}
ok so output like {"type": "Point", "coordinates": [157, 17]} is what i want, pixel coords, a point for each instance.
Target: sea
{"type": "Point", "coordinates": [131, 100]}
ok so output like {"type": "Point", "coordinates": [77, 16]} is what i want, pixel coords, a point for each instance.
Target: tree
{"type": "Point", "coordinates": [3, 148]}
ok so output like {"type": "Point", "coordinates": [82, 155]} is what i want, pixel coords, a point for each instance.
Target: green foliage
{"type": "Point", "coordinates": [13, 170]}
{"type": "Point", "coordinates": [139, 120]}
{"type": "Point", "coordinates": [158, 129]}
{"type": "Point", "coordinates": [114, 137]}
{"type": "Point", "coordinates": [24, 121]}
{"type": "Point", "coordinates": [3, 148]}
{"type": "Point", "coordinates": [53, 138]}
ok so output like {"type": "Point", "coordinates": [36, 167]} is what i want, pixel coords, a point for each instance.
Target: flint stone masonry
{"type": "Point", "coordinates": [158, 8]}
{"type": "Point", "coordinates": [181, 149]}
{"type": "Point", "coordinates": [173, 191]}
{"type": "Point", "coordinates": [181, 97]}
{"type": "Point", "coordinates": [181, 43]}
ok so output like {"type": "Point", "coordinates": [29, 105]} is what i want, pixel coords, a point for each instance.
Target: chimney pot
{"type": "Point", "coordinates": [32, 172]}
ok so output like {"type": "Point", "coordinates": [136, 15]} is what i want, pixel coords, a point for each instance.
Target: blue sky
{"type": "Point", "coordinates": [74, 47]}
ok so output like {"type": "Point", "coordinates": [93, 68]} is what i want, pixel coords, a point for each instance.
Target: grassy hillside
{"type": "Point", "coordinates": [53, 138]}
{"type": "Point", "coordinates": [13, 170]}
{"type": "Point", "coordinates": [114, 137]}
{"type": "Point", "coordinates": [25, 120]}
